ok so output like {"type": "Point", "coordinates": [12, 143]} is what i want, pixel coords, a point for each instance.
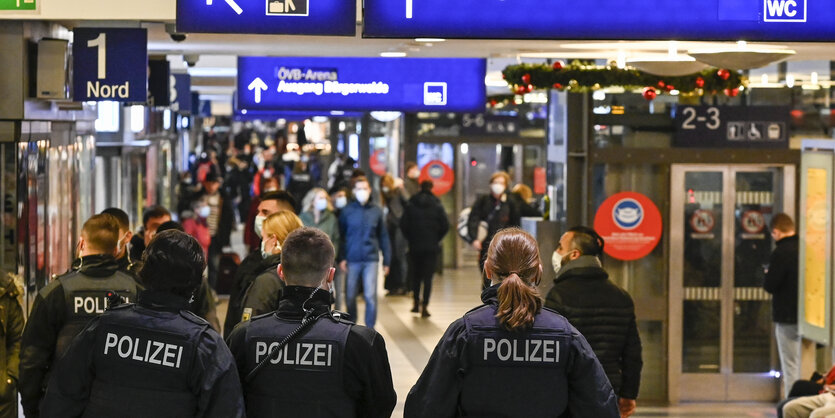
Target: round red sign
{"type": "Point", "coordinates": [441, 175]}
{"type": "Point", "coordinates": [702, 221]}
{"type": "Point", "coordinates": [753, 221]}
{"type": "Point", "coordinates": [378, 162]}
{"type": "Point", "coordinates": [630, 224]}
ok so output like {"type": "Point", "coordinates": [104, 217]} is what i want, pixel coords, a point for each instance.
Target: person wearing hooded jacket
{"type": "Point", "coordinates": [603, 312]}
{"type": "Point", "coordinates": [496, 360]}
{"type": "Point", "coordinates": [153, 358]}
{"type": "Point", "coordinates": [424, 224]}
{"type": "Point", "coordinates": [63, 307]}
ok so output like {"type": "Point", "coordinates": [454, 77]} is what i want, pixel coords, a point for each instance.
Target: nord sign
{"type": "Point", "coordinates": [110, 65]}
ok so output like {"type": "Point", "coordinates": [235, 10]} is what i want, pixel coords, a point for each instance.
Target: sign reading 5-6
{"type": "Point", "coordinates": [110, 65]}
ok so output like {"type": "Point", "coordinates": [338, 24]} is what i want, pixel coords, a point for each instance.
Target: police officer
{"type": "Point", "coordinates": [125, 235]}
{"type": "Point", "coordinates": [332, 368]}
{"type": "Point", "coordinates": [152, 358]}
{"type": "Point", "coordinates": [63, 307]}
{"type": "Point", "coordinates": [509, 357]}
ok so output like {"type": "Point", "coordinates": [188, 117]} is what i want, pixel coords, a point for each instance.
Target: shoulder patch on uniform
{"type": "Point", "coordinates": [249, 316]}
{"type": "Point", "coordinates": [190, 316]}
{"type": "Point", "coordinates": [341, 317]}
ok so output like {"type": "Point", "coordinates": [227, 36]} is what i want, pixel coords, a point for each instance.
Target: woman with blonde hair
{"type": "Point", "coordinates": [499, 359]}
{"type": "Point", "coordinates": [263, 294]}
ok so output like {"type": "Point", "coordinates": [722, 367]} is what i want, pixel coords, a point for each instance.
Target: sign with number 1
{"type": "Point", "coordinates": [110, 64]}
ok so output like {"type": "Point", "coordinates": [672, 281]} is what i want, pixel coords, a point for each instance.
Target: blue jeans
{"type": "Point", "coordinates": [368, 271]}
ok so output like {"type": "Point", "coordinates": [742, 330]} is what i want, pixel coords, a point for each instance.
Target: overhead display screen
{"type": "Point", "coordinates": [286, 17]}
{"type": "Point", "coordinates": [364, 84]}
{"type": "Point", "coordinates": [732, 20]}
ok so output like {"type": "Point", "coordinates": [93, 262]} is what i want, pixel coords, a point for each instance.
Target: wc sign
{"type": "Point", "coordinates": [434, 94]}
{"type": "Point", "coordinates": [784, 10]}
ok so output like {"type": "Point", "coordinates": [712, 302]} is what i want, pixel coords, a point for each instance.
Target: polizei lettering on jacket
{"type": "Point", "coordinates": [300, 354]}
{"type": "Point", "coordinates": [143, 350]}
{"type": "Point", "coordinates": [91, 304]}
{"type": "Point", "coordinates": [511, 350]}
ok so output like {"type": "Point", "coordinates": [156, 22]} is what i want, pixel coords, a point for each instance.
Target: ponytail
{"type": "Point", "coordinates": [518, 303]}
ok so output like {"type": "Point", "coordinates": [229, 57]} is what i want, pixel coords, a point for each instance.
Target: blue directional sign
{"type": "Point", "coordinates": [290, 17]}
{"type": "Point", "coordinates": [110, 65]}
{"type": "Point", "coordinates": [180, 94]}
{"type": "Point", "coordinates": [291, 115]}
{"type": "Point", "coordinates": [750, 20]}
{"type": "Point", "coordinates": [364, 84]}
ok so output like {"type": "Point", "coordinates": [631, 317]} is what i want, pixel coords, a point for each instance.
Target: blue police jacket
{"type": "Point", "coordinates": [481, 369]}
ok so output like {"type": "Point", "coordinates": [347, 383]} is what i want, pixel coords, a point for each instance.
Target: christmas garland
{"type": "Point", "coordinates": [524, 78]}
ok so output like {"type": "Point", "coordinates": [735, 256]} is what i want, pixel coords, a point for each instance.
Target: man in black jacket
{"type": "Point", "coordinates": [221, 221]}
{"type": "Point", "coordinates": [153, 358]}
{"type": "Point", "coordinates": [424, 223]}
{"type": "Point", "coordinates": [62, 308]}
{"type": "Point", "coordinates": [603, 312]}
{"type": "Point", "coordinates": [333, 368]}
{"type": "Point", "coordinates": [781, 282]}
{"type": "Point", "coordinates": [152, 218]}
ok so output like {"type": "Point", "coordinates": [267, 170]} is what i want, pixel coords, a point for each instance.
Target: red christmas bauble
{"type": "Point", "coordinates": [529, 88]}
{"type": "Point", "coordinates": [520, 89]}
{"type": "Point", "coordinates": [732, 92]}
{"type": "Point", "coordinates": [526, 78]}
{"type": "Point", "coordinates": [493, 102]}
{"type": "Point", "coordinates": [670, 87]}
{"type": "Point", "coordinates": [649, 93]}
{"type": "Point", "coordinates": [700, 82]}
{"type": "Point", "coordinates": [557, 65]}
{"type": "Point", "coordinates": [661, 84]}
{"type": "Point", "coordinates": [557, 86]}
{"type": "Point", "coordinates": [723, 74]}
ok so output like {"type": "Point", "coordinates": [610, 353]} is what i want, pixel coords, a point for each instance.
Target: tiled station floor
{"type": "Point", "coordinates": [410, 340]}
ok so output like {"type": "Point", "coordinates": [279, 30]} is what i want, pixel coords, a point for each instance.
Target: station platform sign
{"type": "Point", "coordinates": [750, 20]}
{"type": "Point", "coordinates": [361, 84]}
{"type": "Point", "coordinates": [288, 17]}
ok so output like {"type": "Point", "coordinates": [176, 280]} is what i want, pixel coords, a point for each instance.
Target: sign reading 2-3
{"type": "Point", "coordinates": [732, 126]}
{"type": "Point", "coordinates": [710, 119]}
{"type": "Point", "coordinates": [110, 64]}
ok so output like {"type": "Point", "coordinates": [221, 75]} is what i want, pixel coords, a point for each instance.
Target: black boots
{"type": "Point", "coordinates": [424, 313]}
{"type": "Point", "coordinates": [416, 307]}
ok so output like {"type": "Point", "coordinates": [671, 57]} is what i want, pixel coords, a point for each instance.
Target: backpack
{"type": "Point", "coordinates": [463, 229]}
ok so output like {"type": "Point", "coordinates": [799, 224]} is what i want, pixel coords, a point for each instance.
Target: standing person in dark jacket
{"type": "Point", "coordinates": [221, 221]}
{"type": "Point", "coordinates": [363, 231]}
{"type": "Point", "coordinates": [263, 294]}
{"type": "Point", "coordinates": [603, 312]}
{"type": "Point", "coordinates": [63, 307]}
{"type": "Point", "coordinates": [393, 199]}
{"type": "Point", "coordinates": [497, 358]}
{"type": "Point", "coordinates": [152, 218]}
{"type": "Point", "coordinates": [254, 263]}
{"type": "Point", "coordinates": [424, 223]}
{"type": "Point", "coordinates": [348, 375]}
{"type": "Point", "coordinates": [153, 358]}
{"type": "Point", "coordinates": [781, 282]}
{"type": "Point", "coordinates": [11, 329]}
{"type": "Point", "coordinates": [498, 210]}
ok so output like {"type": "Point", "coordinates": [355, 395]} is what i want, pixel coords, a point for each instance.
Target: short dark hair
{"type": "Point", "coordinates": [101, 233]}
{"type": "Point", "coordinates": [426, 185]}
{"type": "Point", "coordinates": [169, 225]}
{"type": "Point", "coordinates": [120, 215]}
{"type": "Point", "coordinates": [173, 262]}
{"type": "Point", "coordinates": [281, 196]}
{"type": "Point", "coordinates": [154, 212]}
{"type": "Point", "coordinates": [306, 256]}
{"type": "Point", "coordinates": [359, 179]}
{"type": "Point", "coordinates": [782, 222]}
{"type": "Point", "coordinates": [409, 166]}
{"type": "Point", "coordinates": [587, 240]}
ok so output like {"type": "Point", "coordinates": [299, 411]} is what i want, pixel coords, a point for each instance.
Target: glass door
{"type": "Point", "coordinates": [721, 343]}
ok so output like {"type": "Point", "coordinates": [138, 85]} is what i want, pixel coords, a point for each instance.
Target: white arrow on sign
{"type": "Point", "coordinates": [231, 4]}
{"type": "Point", "coordinates": [258, 85]}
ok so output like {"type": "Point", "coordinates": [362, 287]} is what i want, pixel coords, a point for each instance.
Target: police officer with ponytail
{"type": "Point", "coordinates": [510, 357]}
{"type": "Point", "coordinates": [153, 358]}
{"type": "Point", "coordinates": [63, 307]}
{"type": "Point", "coordinates": [304, 360]}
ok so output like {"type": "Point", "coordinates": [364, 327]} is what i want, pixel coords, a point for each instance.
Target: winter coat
{"type": "Point", "coordinates": [781, 280]}
{"type": "Point", "coordinates": [328, 223]}
{"type": "Point", "coordinates": [498, 213]}
{"type": "Point", "coordinates": [363, 232]}
{"type": "Point", "coordinates": [424, 223]}
{"type": "Point", "coordinates": [11, 327]}
{"type": "Point", "coordinates": [605, 314]}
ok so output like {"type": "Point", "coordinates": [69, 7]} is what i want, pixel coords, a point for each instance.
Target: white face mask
{"type": "Point", "coordinates": [259, 223]}
{"type": "Point", "coordinates": [497, 188]}
{"type": "Point", "coordinates": [204, 211]}
{"type": "Point", "coordinates": [385, 189]}
{"type": "Point", "coordinates": [265, 253]}
{"type": "Point", "coordinates": [556, 261]}
{"type": "Point", "coordinates": [120, 245]}
{"type": "Point", "coordinates": [340, 202]}
{"type": "Point", "coordinates": [362, 195]}
{"type": "Point", "coordinates": [320, 204]}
